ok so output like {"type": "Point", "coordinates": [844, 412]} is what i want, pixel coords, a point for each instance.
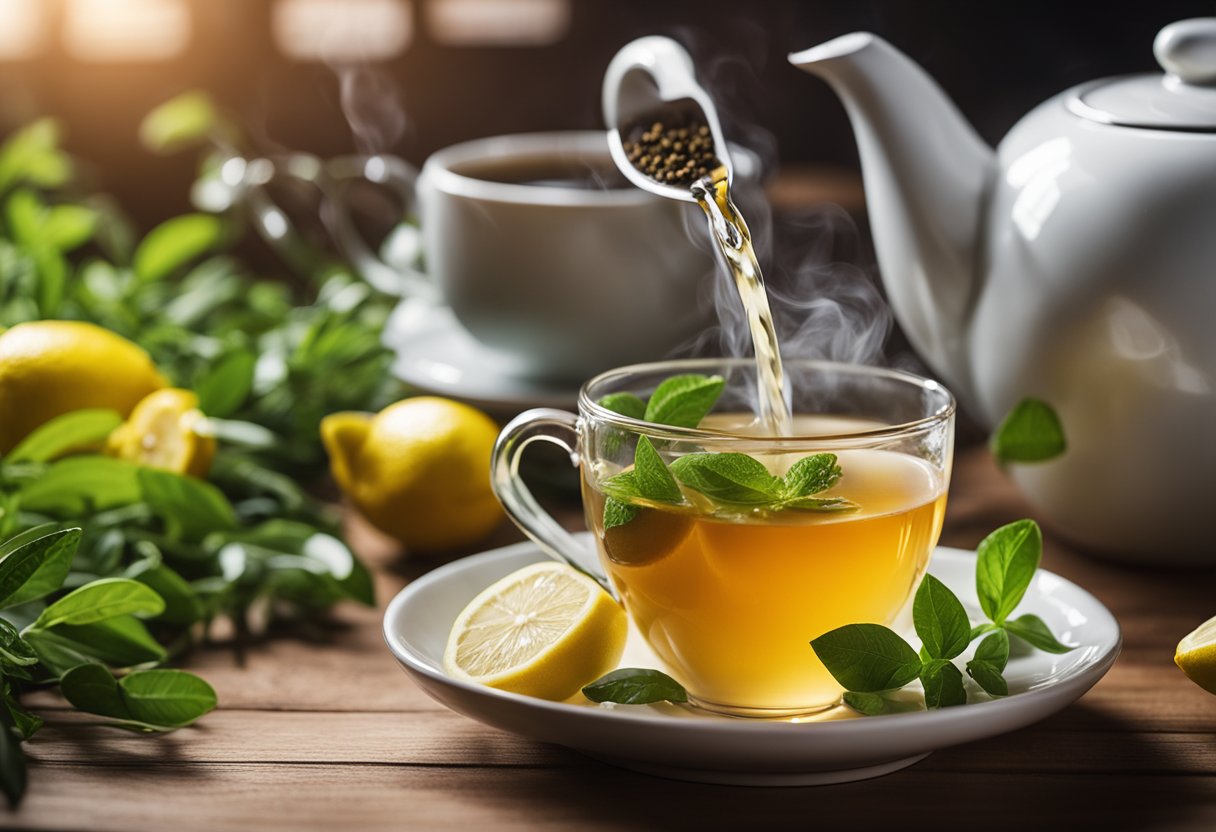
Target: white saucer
{"type": "Point", "coordinates": [436, 354]}
{"type": "Point", "coordinates": [676, 742]}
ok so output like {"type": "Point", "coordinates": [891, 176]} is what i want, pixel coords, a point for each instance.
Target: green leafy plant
{"type": "Point", "coordinates": [78, 640]}
{"type": "Point", "coordinates": [110, 565]}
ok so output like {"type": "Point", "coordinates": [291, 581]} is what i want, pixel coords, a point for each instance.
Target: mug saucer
{"type": "Point", "coordinates": [683, 744]}
{"type": "Point", "coordinates": [434, 353]}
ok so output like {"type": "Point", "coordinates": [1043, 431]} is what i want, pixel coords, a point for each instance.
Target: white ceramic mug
{"type": "Point", "coordinates": [565, 276]}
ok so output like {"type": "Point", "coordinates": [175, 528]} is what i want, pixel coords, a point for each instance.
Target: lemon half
{"type": "Point", "coordinates": [1196, 655]}
{"type": "Point", "coordinates": [166, 431]}
{"type": "Point", "coordinates": [545, 631]}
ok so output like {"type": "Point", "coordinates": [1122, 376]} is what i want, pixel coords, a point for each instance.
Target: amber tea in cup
{"type": "Point", "coordinates": [727, 595]}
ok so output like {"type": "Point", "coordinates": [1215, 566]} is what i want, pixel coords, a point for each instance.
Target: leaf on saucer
{"type": "Point", "coordinates": [1033, 630]}
{"type": "Point", "coordinates": [943, 683]}
{"type": "Point", "coordinates": [635, 686]}
{"type": "Point", "coordinates": [1006, 561]}
{"type": "Point", "coordinates": [867, 658]}
{"type": "Point", "coordinates": [941, 622]}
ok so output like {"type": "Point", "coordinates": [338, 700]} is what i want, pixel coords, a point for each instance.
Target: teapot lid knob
{"type": "Point", "coordinates": [1187, 49]}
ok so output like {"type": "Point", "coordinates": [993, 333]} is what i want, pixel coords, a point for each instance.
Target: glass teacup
{"type": "Point", "coordinates": [729, 587]}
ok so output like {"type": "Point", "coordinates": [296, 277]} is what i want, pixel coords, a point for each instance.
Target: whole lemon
{"type": "Point", "coordinates": [48, 368]}
{"type": "Point", "coordinates": [419, 470]}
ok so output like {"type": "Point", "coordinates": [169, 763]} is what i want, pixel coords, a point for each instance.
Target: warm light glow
{"type": "Point", "coordinates": [22, 28]}
{"type": "Point", "coordinates": [342, 30]}
{"type": "Point", "coordinates": [126, 30]}
{"type": "Point", "coordinates": [498, 22]}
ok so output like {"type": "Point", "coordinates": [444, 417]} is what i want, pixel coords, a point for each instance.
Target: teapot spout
{"type": "Point", "coordinates": [927, 175]}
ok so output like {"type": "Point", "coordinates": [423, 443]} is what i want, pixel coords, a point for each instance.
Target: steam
{"type": "Point", "coordinates": [825, 301]}
{"type": "Point", "coordinates": [371, 103]}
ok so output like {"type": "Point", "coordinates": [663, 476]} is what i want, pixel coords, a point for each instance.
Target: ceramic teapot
{"type": "Point", "coordinates": [1076, 263]}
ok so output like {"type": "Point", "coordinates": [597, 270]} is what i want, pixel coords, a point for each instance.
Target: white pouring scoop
{"type": "Point", "coordinates": [653, 78]}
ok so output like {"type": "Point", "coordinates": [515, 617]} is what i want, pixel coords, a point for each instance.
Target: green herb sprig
{"type": "Point", "coordinates": [156, 557]}
{"type": "Point", "coordinates": [870, 661]}
{"type": "Point", "coordinates": [75, 641]}
{"type": "Point", "coordinates": [733, 480]}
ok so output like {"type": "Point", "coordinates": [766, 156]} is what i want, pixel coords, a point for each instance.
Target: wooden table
{"type": "Point", "coordinates": [327, 733]}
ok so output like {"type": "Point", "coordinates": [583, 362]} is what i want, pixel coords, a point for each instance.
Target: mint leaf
{"type": "Point", "coordinates": [1006, 563]}
{"type": "Point", "coordinates": [728, 478]}
{"type": "Point", "coordinates": [67, 432]}
{"type": "Point", "coordinates": [654, 481]}
{"type": "Point", "coordinates": [990, 659]}
{"type": "Point", "coordinates": [1032, 630]}
{"type": "Point", "coordinates": [875, 704]}
{"type": "Point", "coordinates": [1031, 432]}
{"type": "Point", "coordinates": [940, 620]}
{"type": "Point", "coordinates": [635, 686]}
{"type": "Point", "coordinates": [867, 657]}
{"type": "Point", "coordinates": [994, 650]}
{"type": "Point", "coordinates": [988, 677]}
{"type": "Point", "coordinates": [617, 513]}
{"type": "Point", "coordinates": [623, 486]}
{"type": "Point", "coordinates": [683, 401]}
{"type": "Point", "coordinates": [943, 683]}
{"type": "Point", "coordinates": [625, 404]}
{"type": "Point", "coordinates": [810, 475]}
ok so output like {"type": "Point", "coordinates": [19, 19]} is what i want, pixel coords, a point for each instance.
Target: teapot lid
{"type": "Point", "coordinates": [1184, 99]}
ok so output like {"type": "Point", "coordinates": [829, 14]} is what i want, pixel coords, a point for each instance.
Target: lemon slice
{"type": "Point", "coordinates": [1196, 655]}
{"type": "Point", "coordinates": [545, 631]}
{"type": "Point", "coordinates": [166, 430]}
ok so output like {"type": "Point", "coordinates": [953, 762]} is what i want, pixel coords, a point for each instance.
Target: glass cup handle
{"type": "Point", "coordinates": [540, 425]}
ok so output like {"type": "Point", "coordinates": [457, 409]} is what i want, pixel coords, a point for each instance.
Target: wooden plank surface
{"type": "Point", "coordinates": [321, 730]}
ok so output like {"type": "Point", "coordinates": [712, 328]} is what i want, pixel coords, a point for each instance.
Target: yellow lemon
{"type": "Point", "coordinates": [166, 430]}
{"type": "Point", "coordinates": [546, 631]}
{"type": "Point", "coordinates": [419, 470]}
{"type": "Point", "coordinates": [48, 368]}
{"type": "Point", "coordinates": [1196, 655]}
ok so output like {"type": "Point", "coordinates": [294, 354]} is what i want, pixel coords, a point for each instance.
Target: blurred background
{"type": "Point", "coordinates": [411, 76]}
